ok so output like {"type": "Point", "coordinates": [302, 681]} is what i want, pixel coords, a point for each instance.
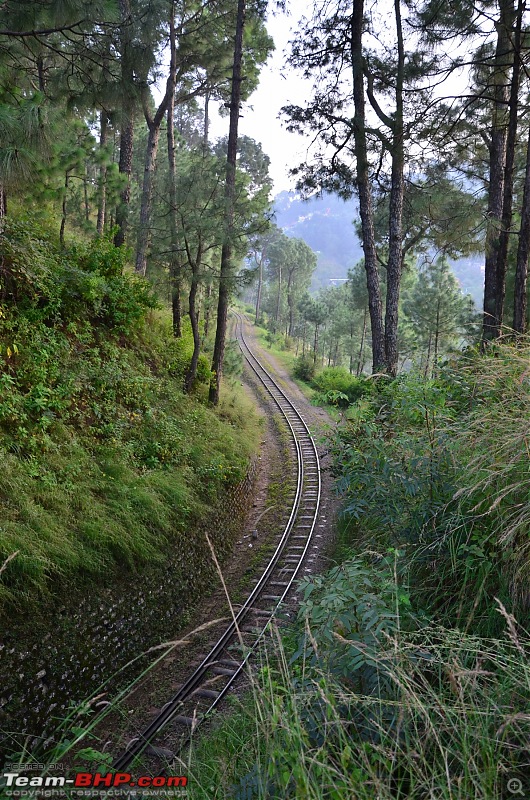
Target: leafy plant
{"type": "Point", "coordinates": [304, 368]}
{"type": "Point", "coordinates": [338, 379]}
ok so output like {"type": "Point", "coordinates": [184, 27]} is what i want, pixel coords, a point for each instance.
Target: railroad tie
{"type": "Point", "coordinates": [224, 671]}
{"type": "Point", "coordinates": [207, 693]}
{"type": "Point", "coordinates": [159, 752]}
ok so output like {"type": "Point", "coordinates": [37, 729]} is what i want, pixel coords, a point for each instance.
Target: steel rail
{"type": "Point", "coordinates": [305, 450]}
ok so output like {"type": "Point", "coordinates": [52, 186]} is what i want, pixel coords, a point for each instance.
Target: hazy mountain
{"type": "Point", "coordinates": [326, 225]}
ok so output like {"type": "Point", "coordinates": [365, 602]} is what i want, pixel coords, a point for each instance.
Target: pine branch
{"type": "Point", "coordinates": [44, 31]}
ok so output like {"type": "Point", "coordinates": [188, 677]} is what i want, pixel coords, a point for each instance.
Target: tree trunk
{"type": "Point", "coordinates": [142, 244]}
{"type": "Point", "coordinates": [175, 273]}
{"type": "Point", "coordinates": [125, 168]}
{"type": "Point", "coordinates": [206, 120]}
{"type": "Point", "coordinates": [3, 205]}
{"type": "Point", "coordinates": [497, 161]}
{"type": "Point", "coordinates": [64, 208]}
{"type": "Point", "coordinates": [360, 362]}
{"type": "Point", "coordinates": [194, 319]}
{"type": "Point", "coordinates": [127, 121]}
{"type": "Point", "coordinates": [102, 199]}
{"type": "Point", "coordinates": [364, 189]}
{"type": "Point", "coordinates": [290, 303]}
{"type": "Point", "coordinates": [436, 336]}
{"type": "Point", "coordinates": [226, 252]}
{"type": "Point", "coordinates": [395, 237]}
{"type": "Point", "coordinates": [315, 346]}
{"type": "Point", "coordinates": [260, 284]}
{"type": "Point", "coordinates": [279, 299]}
{"type": "Point", "coordinates": [502, 256]}
{"type": "Point", "coordinates": [154, 124]}
{"type": "Point", "coordinates": [521, 270]}
{"type": "Point", "coordinates": [207, 313]}
{"type": "Point", "coordinates": [85, 194]}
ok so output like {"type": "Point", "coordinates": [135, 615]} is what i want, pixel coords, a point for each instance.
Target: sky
{"type": "Point", "coordinates": [278, 86]}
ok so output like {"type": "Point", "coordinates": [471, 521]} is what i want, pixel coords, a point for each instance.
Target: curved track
{"type": "Point", "coordinates": [210, 681]}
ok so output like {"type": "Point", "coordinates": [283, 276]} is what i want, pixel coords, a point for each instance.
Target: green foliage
{"type": "Point", "coordinates": [104, 459]}
{"type": "Point", "coordinates": [418, 468]}
{"type": "Point", "coordinates": [304, 368]}
{"type": "Point", "coordinates": [338, 379]}
{"type": "Point", "coordinates": [395, 480]}
{"type": "Point", "coordinates": [350, 613]}
{"type": "Point", "coordinates": [491, 444]}
{"type": "Point", "coordinates": [448, 731]}
{"type": "Point", "coordinates": [439, 313]}
{"type": "Point", "coordinates": [48, 284]}
{"type": "Point", "coordinates": [233, 363]}
{"type": "Point", "coordinates": [408, 680]}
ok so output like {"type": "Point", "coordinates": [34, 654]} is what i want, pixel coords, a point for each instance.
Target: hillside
{"type": "Point", "coordinates": [105, 460]}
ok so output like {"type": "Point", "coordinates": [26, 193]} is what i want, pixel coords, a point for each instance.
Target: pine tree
{"type": "Point", "coordinates": [438, 311]}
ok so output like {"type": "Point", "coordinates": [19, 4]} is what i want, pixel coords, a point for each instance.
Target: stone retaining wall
{"type": "Point", "coordinates": [53, 662]}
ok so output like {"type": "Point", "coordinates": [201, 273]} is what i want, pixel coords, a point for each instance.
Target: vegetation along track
{"type": "Point", "coordinates": [209, 683]}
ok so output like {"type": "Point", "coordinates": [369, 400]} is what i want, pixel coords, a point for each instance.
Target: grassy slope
{"type": "Point", "coordinates": [103, 457]}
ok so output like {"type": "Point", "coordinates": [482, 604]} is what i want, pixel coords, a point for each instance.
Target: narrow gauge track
{"type": "Point", "coordinates": [211, 680]}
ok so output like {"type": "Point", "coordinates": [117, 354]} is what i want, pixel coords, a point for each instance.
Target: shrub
{"type": "Point", "coordinates": [87, 368]}
{"type": "Point", "coordinates": [338, 379]}
{"type": "Point", "coordinates": [56, 287]}
{"type": "Point", "coordinates": [304, 369]}
{"type": "Point", "coordinates": [420, 467]}
{"type": "Point", "coordinates": [350, 613]}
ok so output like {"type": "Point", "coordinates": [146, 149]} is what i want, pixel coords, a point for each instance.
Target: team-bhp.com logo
{"type": "Point", "coordinates": [88, 780]}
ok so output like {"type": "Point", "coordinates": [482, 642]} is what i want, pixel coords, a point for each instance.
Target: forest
{"type": "Point", "coordinates": [128, 233]}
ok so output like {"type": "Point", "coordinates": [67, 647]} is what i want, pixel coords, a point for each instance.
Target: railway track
{"type": "Point", "coordinates": [213, 677]}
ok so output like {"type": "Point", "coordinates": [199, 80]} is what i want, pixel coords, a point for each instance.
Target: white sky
{"type": "Point", "coordinates": [278, 86]}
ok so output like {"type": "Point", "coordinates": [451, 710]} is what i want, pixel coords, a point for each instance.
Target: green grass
{"type": "Point", "coordinates": [105, 461]}
{"type": "Point", "coordinates": [445, 727]}
{"type": "Point", "coordinates": [87, 506]}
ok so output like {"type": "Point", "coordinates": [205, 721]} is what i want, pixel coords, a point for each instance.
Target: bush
{"type": "Point", "coordinates": [350, 613]}
{"type": "Point", "coordinates": [54, 286]}
{"type": "Point", "coordinates": [453, 728]}
{"type": "Point", "coordinates": [304, 368]}
{"type": "Point", "coordinates": [338, 380]}
{"type": "Point", "coordinates": [419, 467]}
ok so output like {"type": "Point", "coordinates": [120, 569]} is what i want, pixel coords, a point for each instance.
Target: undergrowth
{"type": "Point", "coordinates": [407, 675]}
{"type": "Point", "coordinates": [440, 467]}
{"type": "Point", "coordinates": [104, 459]}
{"type": "Point", "coordinates": [442, 725]}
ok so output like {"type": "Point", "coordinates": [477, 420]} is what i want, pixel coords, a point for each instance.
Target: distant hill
{"type": "Point", "coordinates": [326, 225]}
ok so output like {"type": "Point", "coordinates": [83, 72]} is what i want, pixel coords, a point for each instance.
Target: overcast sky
{"type": "Point", "coordinates": [278, 86]}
